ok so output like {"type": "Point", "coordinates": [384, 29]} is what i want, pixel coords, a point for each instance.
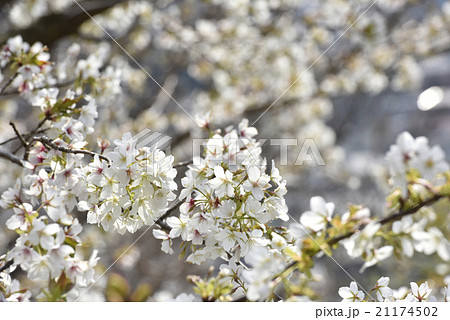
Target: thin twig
{"type": "Point", "coordinates": [8, 83]}
{"type": "Point", "coordinates": [52, 145]}
{"type": "Point", "coordinates": [160, 221]}
{"type": "Point", "coordinates": [58, 85]}
{"type": "Point", "coordinates": [6, 266]}
{"type": "Point", "coordinates": [394, 217]}
{"type": "Point", "coordinates": [19, 136]}
{"type": "Point", "coordinates": [10, 157]}
{"type": "Point", "coordinates": [34, 131]}
{"type": "Point", "coordinates": [15, 137]}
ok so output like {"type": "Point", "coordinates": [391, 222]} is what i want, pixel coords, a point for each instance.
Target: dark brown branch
{"type": "Point", "coordinates": [10, 157]}
{"type": "Point", "coordinates": [10, 80]}
{"type": "Point", "coordinates": [24, 141]}
{"type": "Point", "coordinates": [19, 136]}
{"type": "Point", "coordinates": [160, 221]}
{"type": "Point", "coordinates": [394, 217]}
{"type": "Point", "coordinates": [411, 210]}
{"type": "Point", "coordinates": [15, 137]}
{"type": "Point", "coordinates": [57, 85]}
{"type": "Point", "coordinates": [35, 130]}
{"type": "Point", "coordinates": [6, 266]}
{"type": "Point", "coordinates": [52, 145]}
{"type": "Point", "coordinates": [55, 26]}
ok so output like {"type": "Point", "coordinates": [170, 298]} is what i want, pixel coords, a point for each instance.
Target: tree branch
{"type": "Point", "coordinates": [160, 221]}
{"type": "Point", "coordinates": [10, 157]}
{"type": "Point", "coordinates": [19, 136]}
{"type": "Point", "coordinates": [52, 145]}
{"type": "Point", "coordinates": [57, 85]}
{"type": "Point", "coordinates": [10, 80]}
{"type": "Point", "coordinates": [50, 28]}
{"type": "Point", "coordinates": [6, 265]}
{"type": "Point", "coordinates": [15, 137]}
{"type": "Point", "coordinates": [394, 217]}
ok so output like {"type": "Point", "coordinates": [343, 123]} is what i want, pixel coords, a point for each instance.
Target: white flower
{"type": "Point", "coordinates": [89, 67]}
{"type": "Point", "coordinates": [48, 236]}
{"type": "Point", "coordinates": [45, 98]}
{"type": "Point", "coordinates": [44, 269]}
{"type": "Point", "coordinates": [97, 168]}
{"type": "Point", "coordinates": [320, 214]}
{"type": "Point", "coordinates": [88, 112]}
{"type": "Point", "coordinates": [134, 190]}
{"type": "Point", "coordinates": [265, 264]}
{"type": "Point", "coordinates": [361, 241]}
{"type": "Point", "coordinates": [167, 241]}
{"type": "Point", "coordinates": [255, 239]}
{"type": "Point", "coordinates": [382, 290]}
{"type": "Point", "coordinates": [16, 45]}
{"type": "Point", "coordinates": [179, 226]}
{"type": "Point", "coordinates": [430, 161]}
{"type": "Point", "coordinates": [226, 209]}
{"type": "Point", "coordinates": [28, 71]}
{"type": "Point", "coordinates": [228, 238]}
{"type": "Point", "coordinates": [197, 257]}
{"type": "Point", "coordinates": [188, 183]}
{"type": "Point", "coordinates": [422, 292]}
{"type": "Point", "coordinates": [23, 255]}
{"type": "Point", "coordinates": [432, 241]}
{"type": "Point", "coordinates": [360, 215]}
{"type": "Point", "coordinates": [377, 255]}
{"type": "Point", "coordinates": [257, 182]}
{"type": "Point", "coordinates": [203, 120]}
{"type": "Point", "coordinates": [410, 153]}
{"type": "Point", "coordinates": [229, 200]}
{"type": "Point", "coordinates": [20, 219]}
{"type": "Point", "coordinates": [12, 197]}
{"type": "Point", "coordinates": [351, 293]}
{"type": "Point", "coordinates": [11, 288]}
{"type": "Point", "coordinates": [398, 158]}
{"type": "Point", "coordinates": [73, 129]}
{"type": "Point", "coordinates": [278, 242]}
{"type": "Point", "coordinates": [404, 229]}
{"type": "Point", "coordinates": [223, 182]}
{"type": "Point", "coordinates": [245, 131]}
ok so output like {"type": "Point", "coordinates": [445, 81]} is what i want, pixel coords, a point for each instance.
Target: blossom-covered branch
{"type": "Point", "coordinates": [54, 145]}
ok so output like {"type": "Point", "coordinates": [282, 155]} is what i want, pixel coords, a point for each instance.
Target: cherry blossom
{"type": "Point", "coordinates": [351, 293]}
{"type": "Point", "coordinates": [320, 214]}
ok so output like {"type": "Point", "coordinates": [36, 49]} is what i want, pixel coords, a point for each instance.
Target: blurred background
{"type": "Point", "coordinates": [358, 72]}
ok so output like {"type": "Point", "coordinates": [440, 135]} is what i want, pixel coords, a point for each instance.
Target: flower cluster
{"type": "Point", "coordinates": [231, 201]}
{"type": "Point", "coordinates": [382, 293]}
{"type": "Point", "coordinates": [134, 190]}
{"type": "Point", "coordinates": [265, 263]}
{"type": "Point", "coordinates": [47, 246]}
{"type": "Point", "coordinates": [30, 64]}
{"type": "Point", "coordinates": [10, 288]}
{"type": "Point", "coordinates": [411, 159]}
{"type": "Point", "coordinates": [127, 187]}
{"type": "Point", "coordinates": [228, 199]}
{"type": "Point", "coordinates": [321, 222]}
